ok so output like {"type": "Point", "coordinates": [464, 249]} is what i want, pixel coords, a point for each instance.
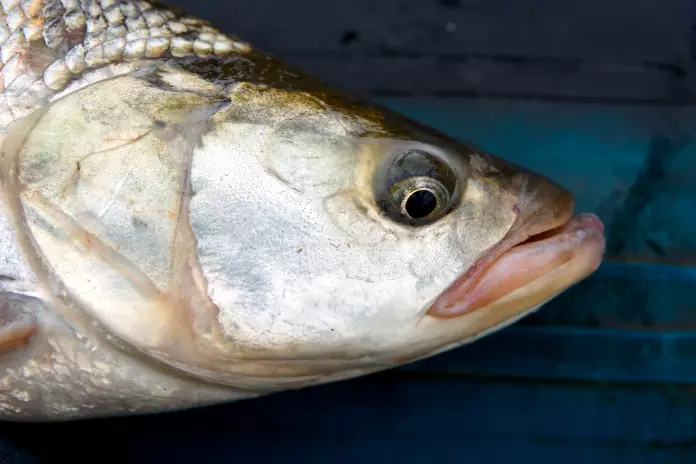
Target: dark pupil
{"type": "Point", "coordinates": [420, 204]}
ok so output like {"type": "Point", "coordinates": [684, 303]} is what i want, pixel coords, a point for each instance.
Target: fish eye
{"type": "Point", "coordinates": [416, 186]}
{"type": "Point", "coordinates": [420, 197]}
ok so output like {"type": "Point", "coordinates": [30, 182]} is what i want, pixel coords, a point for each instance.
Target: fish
{"type": "Point", "coordinates": [187, 220]}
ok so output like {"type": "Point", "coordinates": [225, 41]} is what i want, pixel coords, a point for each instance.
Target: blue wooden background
{"type": "Point", "coordinates": [596, 94]}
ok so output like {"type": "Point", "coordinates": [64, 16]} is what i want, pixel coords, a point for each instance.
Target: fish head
{"type": "Point", "coordinates": [208, 224]}
{"type": "Point", "coordinates": [265, 235]}
{"type": "Point", "coordinates": [338, 238]}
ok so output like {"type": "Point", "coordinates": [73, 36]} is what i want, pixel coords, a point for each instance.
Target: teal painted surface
{"type": "Point", "coordinates": [593, 150]}
{"type": "Point", "coordinates": [401, 418]}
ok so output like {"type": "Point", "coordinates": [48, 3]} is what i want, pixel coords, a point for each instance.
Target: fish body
{"type": "Point", "coordinates": [186, 220]}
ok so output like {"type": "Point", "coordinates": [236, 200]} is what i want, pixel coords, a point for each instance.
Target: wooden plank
{"type": "Point", "coordinates": [629, 296]}
{"type": "Point", "coordinates": [519, 77]}
{"type": "Point", "coordinates": [541, 48]}
{"type": "Point", "coordinates": [547, 28]}
{"type": "Point", "coordinates": [400, 418]}
{"type": "Point", "coordinates": [555, 353]}
{"type": "Point", "coordinates": [12, 454]}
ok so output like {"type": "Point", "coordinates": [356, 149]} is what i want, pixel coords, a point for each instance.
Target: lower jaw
{"type": "Point", "coordinates": [541, 290]}
{"type": "Point", "coordinates": [530, 273]}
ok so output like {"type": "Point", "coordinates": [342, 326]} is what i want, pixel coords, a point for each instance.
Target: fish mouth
{"type": "Point", "coordinates": [527, 270]}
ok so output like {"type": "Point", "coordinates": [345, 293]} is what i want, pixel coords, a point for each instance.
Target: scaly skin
{"type": "Point", "coordinates": [46, 45]}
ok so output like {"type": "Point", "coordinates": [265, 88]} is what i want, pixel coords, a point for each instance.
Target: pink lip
{"type": "Point", "coordinates": [522, 258]}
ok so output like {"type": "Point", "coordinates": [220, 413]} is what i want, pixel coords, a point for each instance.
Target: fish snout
{"type": "Point", "coordinates": [542, 205]}
{"type": "Point", "coordinates": [546, 251]}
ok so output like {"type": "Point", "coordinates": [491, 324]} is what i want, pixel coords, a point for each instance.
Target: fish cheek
{"type": "Point", "coordinates": [349, 212]}
{"type": "Point", "coordinates": [311, 162]}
